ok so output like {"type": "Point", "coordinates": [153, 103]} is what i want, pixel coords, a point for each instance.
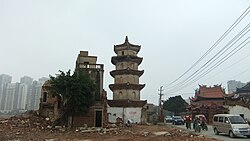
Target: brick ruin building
{"type": "Point", "coordinates": [52, 106]}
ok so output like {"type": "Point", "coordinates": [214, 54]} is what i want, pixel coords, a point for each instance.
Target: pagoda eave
{"type": "Point", "coordinates": [116, 59]}
{"type": "Point", "coordinates": [126, 86]}
{"type": "Point", "coordinates": [126, 71]}
{"type": "Point", "coordinates": [122, 47]}
{"type": "Point", "coordinates": [126, 103]}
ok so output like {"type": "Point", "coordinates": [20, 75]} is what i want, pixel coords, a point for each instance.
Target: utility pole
{"type": "Point", "coordinates": [161, 119]}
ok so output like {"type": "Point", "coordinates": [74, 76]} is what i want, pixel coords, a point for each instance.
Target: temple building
{"type": "Point", "coordinates": [208, 101]}
{"type": "Point", "coordinates": [209, 95]}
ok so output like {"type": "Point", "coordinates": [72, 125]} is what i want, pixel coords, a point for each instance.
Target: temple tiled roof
{"type": "Point", "coordinates": [210, 92]}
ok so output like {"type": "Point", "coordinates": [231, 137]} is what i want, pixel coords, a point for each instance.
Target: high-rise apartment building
{"type": "Point", "coordinates": [12, 96]}
{"type": "Point", "coordinates": [26, 80]}
{"type": "Point", "coordinates": [24, 92]}
{"type": "Point", "coordinates": [4, 81]}
{"type": "Point", "coordinates": [20, 96]}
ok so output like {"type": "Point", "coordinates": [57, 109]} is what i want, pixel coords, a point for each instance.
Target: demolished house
{"type": "Point", "coordinates": [52, 106]}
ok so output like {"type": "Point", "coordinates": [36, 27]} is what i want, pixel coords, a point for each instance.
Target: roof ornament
{"type": "Point", "coordinates": [126, 39]}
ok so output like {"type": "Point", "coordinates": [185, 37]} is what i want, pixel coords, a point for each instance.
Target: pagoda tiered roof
{"type": "Point", "coordinates": [126, 71]}
{"type": "Point", "coordinates": [127, 103]}
{"type": "Point", "coordinates": [126, 86]}
{"type": "Point", "coordinates": [126, 58]}
{"type": "Point", "coordinates": [127, 46]}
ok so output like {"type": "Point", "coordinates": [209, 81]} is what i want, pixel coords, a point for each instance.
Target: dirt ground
{"type": "Point", "coordinates": [38, 129]}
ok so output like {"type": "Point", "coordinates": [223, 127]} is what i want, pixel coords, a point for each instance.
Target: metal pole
{"type": "Point", "coordinates": [161, 119]}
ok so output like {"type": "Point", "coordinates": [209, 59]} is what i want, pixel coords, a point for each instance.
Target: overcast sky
{"type": "Point", "coordinates": [38, 38]}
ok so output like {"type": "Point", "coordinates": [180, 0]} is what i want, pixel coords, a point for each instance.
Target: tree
{"type": "Point", "coordinates": [78, 89]}
{"type": "Point", "coordinates": [175, 104]}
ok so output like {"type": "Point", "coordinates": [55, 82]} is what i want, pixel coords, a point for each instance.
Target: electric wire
{"type": "Point", "coordinates": [215, 57]}
{"type": "Point", "coordinates": [242, 16]}
{"type": "Point", "coordinates": [213, 67]}
{"type": "Point", "coordinates": [239, 47]}
{"type": "Point", "coordinates": [236, 62]}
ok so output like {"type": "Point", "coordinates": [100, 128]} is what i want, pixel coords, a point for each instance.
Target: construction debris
{"type": "Point", "coordinates": [31, 126]}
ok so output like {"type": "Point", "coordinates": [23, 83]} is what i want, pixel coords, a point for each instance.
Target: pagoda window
{"type": "Point", "coordinates": [122, 53]}
{"type": "Point", "coordinates": [120, 95]}
{"type": "Point", "coordinates": [134, 95]}
{"type": "Point", "coordinates": [121, 79]}
{"type": "Point", "coordinates": [132, 65]}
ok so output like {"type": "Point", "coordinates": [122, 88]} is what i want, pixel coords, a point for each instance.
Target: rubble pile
{"type": "Point", "coordinates": [142, 132]}
{"type": "Point", "coordinates": [29, 120]}
{"type": "Point", "coordinates": [30, 126]}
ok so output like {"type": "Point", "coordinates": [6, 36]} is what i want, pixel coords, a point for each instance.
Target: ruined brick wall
{"type": "Point", "coordinates": [79, 121]}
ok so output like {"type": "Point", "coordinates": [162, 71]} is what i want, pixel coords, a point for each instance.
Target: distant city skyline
{"type": "Point", "coordinates": [239, 82]}
{"type": "Point", "coordinates": [22, 95]}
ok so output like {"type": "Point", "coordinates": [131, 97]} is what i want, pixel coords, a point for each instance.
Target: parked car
{"type": "Point", "coordinates": [233, 125]}
{"type": "Point", "coordinates": [177, 120]}
{"type": "Point", "coordinates": [168, 119]}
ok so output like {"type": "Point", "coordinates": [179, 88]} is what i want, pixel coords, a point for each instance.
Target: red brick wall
{"type": "Point", "coordinates": [79, 121]}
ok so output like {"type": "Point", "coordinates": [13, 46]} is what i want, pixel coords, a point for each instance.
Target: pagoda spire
{"type": "Point", "coordinates": [126, 39]}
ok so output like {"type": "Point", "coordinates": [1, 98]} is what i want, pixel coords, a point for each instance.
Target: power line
{"type": "Point", "coordinates": [216, 65]}
{"type": "Point", "coordinates": [242, 16]}
{"type": "Point", "coordinates": [229, 45]}
{"type": "Point", "coordinates": [241, 73]}
{"type": "Point", "coordinates": [236, 62]}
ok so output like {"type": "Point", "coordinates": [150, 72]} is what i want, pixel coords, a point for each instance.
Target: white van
{"type": "Point", "coordinates": [234, 125]}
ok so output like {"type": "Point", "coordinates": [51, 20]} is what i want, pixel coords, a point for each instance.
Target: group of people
{"type": "Point", "coordinates": [199, 123]}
